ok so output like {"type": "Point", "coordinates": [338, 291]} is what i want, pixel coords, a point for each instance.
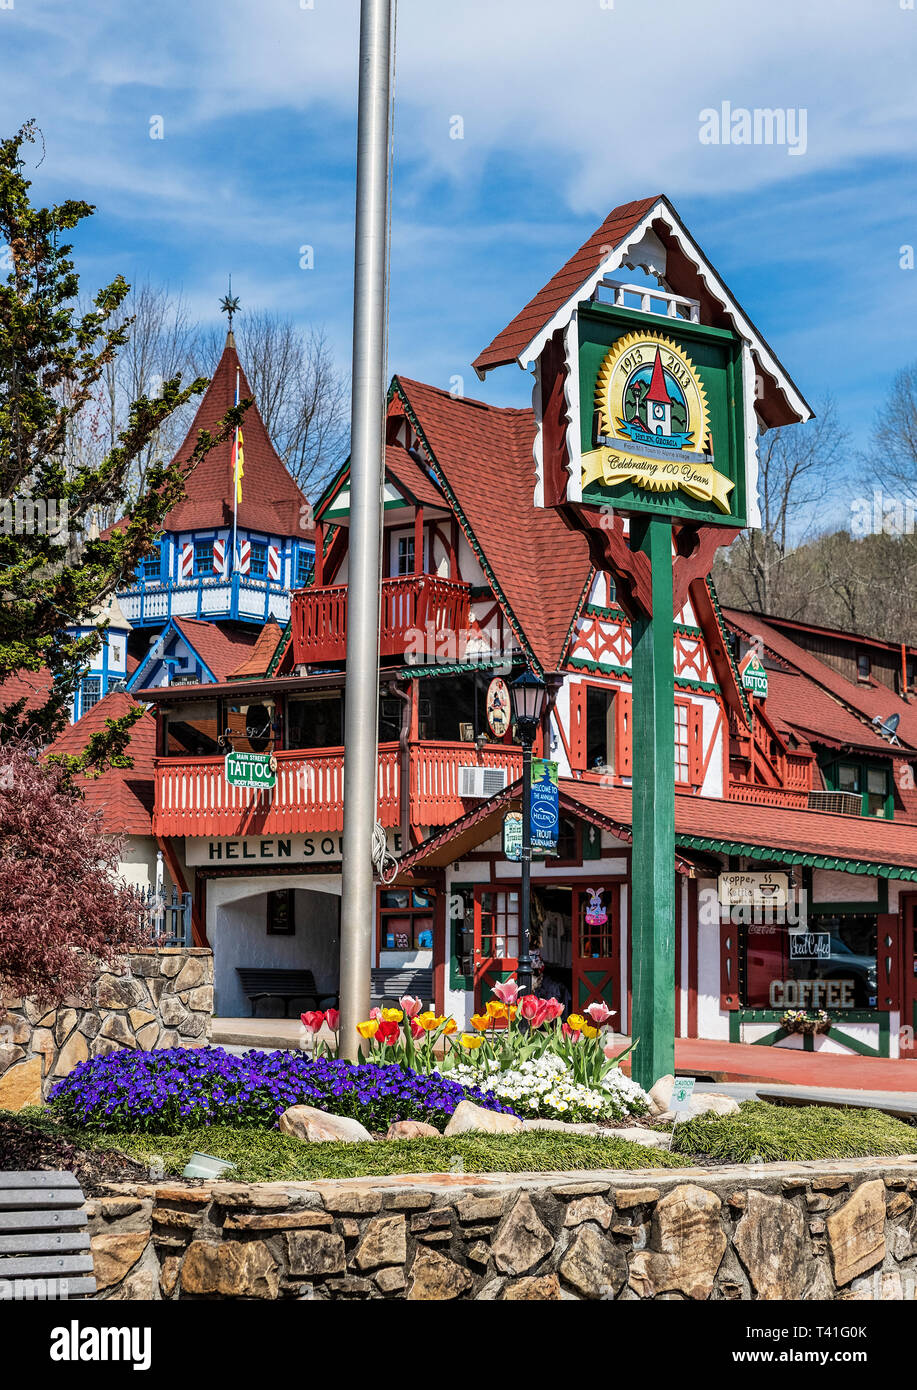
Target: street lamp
{"type": "Point", "coordinates": [528, 695]}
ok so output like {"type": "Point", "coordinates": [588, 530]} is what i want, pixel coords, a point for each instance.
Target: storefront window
{"type": "Point", "coordinates": [499, 925]}
{"type": "Point", "coordinates": [250, 726]}
{"type": "Point", "coordinates": [831, 964]}
{"type": "Point", "coordinates": [406, 919]}
{"type": "Point", "coordinates": [315, 721]}
{"type": "Point", "coordinates": [192, 728]}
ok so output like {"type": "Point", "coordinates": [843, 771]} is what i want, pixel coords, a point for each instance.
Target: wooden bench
{"type": "Point", "coordinates": [392, 984]}
{"type": "Point", "coordinates": [44, 1245]}
{"type": "Point", "coordinates": [279, 984]}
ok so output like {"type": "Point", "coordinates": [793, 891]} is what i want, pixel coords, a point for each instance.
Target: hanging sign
{"type": "Point", "coordinates": [753, 889]}
{"type": "Point", "coordinates": [545, 806]}
{"type": "Point", "coordinates": [512, 836]}
{"type": "Point", "coordinates": [498, 707]}
{"type": "Point", "coordinates": [661, 416]}
{"type": "Point", "coordinates": [258, 770]}
{"type": "Point", "coordinates": [754, 676]}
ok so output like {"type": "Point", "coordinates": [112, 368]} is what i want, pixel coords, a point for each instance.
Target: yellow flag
{"type": "Point", "coordinates": [239, 464]}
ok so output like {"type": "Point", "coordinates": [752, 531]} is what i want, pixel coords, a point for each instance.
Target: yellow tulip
{"type": "Point", "coordinates": [429, 1021]}
{"type": "Point", "coordinates": [369, 1029]}
{"type": "Point", "coordinates": [480, 1021]}
{"type": "Point", "coordinates": [450, 1027]}
{"type": "Point", "coordinates": [392, 1015]}
{"type": "Point", "coordinates": [495, 1009]}
{"type": "Point", "coordinates": [470, 1041]}
{"type": "Point", "coordinates": [589, 1031]}
{"type": "Point", "coordinates": [576, 1022]}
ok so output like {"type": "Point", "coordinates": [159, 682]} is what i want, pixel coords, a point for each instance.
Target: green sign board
{"type": "Point", "coordinates": [662, 423]}
{"type": "Point", "coordinates": [754, 677]}
{"type": "Point", "coordinates": [257, 770]}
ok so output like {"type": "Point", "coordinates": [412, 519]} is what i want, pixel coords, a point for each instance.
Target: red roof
{"type": "Point", "coordinates": [515, 338]}
{"type": "Point", "coordinates": [658, 390]}
{"type": "Point", "coordinates": [868, 840]}
{"type": "Point", "coordinates": [412, 478]}
{"type": "Point", "coordinates": [32, 686]}
{"type": "Point", "coordinates": [124, 795]}
{"type": "Point", "coordinates": [221, 649]}
{"type": "Point", "coordinates": [271, 501]}
{"type": "Point", "coordinates": [868, 699]}
{"type": "Point", "coordinates": [259, 658]}
{"type": "Point", "coordinates": [540, 567]}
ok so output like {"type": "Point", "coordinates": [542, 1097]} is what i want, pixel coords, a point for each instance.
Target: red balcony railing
{"type": "Point", "coordinates": [409, 604]}
{"type": "Point", "coordinates": [435, 798]}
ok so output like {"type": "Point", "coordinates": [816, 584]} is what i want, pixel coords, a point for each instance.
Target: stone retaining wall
{"type": "Point", "coordinates": [164, 998]}
{"type": "Point", "coordinates": [828, 1230]}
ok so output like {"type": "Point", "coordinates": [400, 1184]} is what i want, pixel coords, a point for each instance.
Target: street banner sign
{"type": "Point", "coordinates": [545, 806]}
{"type": "Point", "coordinates": [257, 770]}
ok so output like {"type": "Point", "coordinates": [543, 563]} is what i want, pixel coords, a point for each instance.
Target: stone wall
{"type": "Point", "coordinates": [164, 998]}
{"type": "Point", "coordinates": [829, 1230]}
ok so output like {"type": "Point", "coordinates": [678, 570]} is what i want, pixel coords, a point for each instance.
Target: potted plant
{"type": "Point", "coordinates": [798, 1021]}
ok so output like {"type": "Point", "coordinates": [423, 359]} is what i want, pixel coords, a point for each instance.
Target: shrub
{"type": "Point", "coordinates": [792, 1134]}
{"type": "Point", "coordinates": [164, 1092]}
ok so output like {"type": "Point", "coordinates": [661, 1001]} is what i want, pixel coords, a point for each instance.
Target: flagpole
{"type": "Point", "coordinates": [361, 693]}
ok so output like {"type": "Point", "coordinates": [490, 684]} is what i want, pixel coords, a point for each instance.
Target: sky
{"type": "Point", "coordinates": [518, 125]}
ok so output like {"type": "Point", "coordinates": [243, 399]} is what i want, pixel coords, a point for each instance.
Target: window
{"type": "Point", "coordinates": [90, 693]}
{"type": "Point", "coordinates": [872, 784]}
{"type": "Point", "coordinates": [305, 566]}
{"type": "Point", "coordinates": [405, 555]}
{"type": "Point", "coordinates": [316, 721]}
{"type": "Point", "coordinates": [406, 919]}
{"type": "Point", "coordinates": [203, 557]}
{"type": "Point", "coordinates": [682, 745]}
{"type": "Point", "coordinates": [191, 728]}
{"type": "Point", "coordinates": [876, 792]}
{"type": "Point", "coordinates": [249, 726]}
{"type": "Point", "coordinates": [830, 965]}
{"type": "Point", "coordinates": [499, 925]}
{"type": "Point", "coordinates": [600, 728]}
{"type": "Point", "coordinates": [258, 563]}
{"type": "Point", "coordinates": [863, 666]}
{"type": "Point", "coordinates": [151, 565]}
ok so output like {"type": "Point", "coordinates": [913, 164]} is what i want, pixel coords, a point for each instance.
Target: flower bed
{"type": "Point", "coordinates": [166, 1091]}
{"type": "Point", "coordinates": [543, 1088]}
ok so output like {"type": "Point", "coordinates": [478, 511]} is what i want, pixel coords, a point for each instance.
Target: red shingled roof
{"type": "Point", "coordinates": [867, 698]}
{"type": "Point", "coordinates": [410, 477]}
{"type": "Point", "coordinates": [515, 338]}
{"type": "Point", "coordinates": [124, 795]}
{"type": "Point", "coordinates": [33, 686]}
{"type": "Point", "coordinates": [271, 501]}
{"type": "Point", "coordinates": [484, 455]}
{"type": "Point", "coordinates": [221, 649]}
{"type": "Point", "coordinates": [865, 839]}
{"type": "Point", "coordinates": [261, 654]}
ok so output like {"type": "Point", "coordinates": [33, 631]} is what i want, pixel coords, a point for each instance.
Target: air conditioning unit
{"type": "Point", "coordinates": [840, 803]}
{"type": "Point", "coordinates": [480, 781]}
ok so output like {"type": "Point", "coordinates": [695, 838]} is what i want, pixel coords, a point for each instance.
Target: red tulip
{"type": "Point", "coordinates": [313, 1020]}
{"type": "Point", "coordinates": [417, 1030]}
{"type": "Point", "coordinates": [555, 1008]}
{"type": "Point", "coordinates": [529, 1006]}
{"type": "Point", "coordinates": [333, 1019]}
{"type": "Point", "coordinates": [387, 1032]}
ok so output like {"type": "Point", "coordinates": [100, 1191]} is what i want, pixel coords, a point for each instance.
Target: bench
{"type": "Point", "coordinates": [43, 1237]}
{"type": "Point", "coordinates": [280, 984]}
{"type": "Point", "coordinates": [393, 984]}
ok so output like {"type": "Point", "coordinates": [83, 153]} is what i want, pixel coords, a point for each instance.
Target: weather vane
{"type": "Point", "coordinates": [229, 304]}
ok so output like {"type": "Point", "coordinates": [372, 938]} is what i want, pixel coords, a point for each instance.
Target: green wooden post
{"type": "Point", "coordinates": [652, 915]}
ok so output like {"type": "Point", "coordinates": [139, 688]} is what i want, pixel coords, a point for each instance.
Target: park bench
{"type": "Point", "coordinates": [280, 984]}
{"type": "Point", "coordinates": [44, 1245]}
{"type": "Point", "coordinates": [393, 984]}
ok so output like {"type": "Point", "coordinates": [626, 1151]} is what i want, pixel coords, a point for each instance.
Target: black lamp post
{"type": "Point", "coordinates": [528, 696]}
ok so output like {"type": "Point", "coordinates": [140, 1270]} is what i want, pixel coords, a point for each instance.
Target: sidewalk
{"type": "Point", "coordinates": [723, 1061]}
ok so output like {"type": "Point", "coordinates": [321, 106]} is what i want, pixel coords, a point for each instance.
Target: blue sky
{"type": "Point", "coordinates": [569, 107]}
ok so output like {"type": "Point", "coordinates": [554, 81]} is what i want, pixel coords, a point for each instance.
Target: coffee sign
{"type": "Point", "coordinates": [753, 889]}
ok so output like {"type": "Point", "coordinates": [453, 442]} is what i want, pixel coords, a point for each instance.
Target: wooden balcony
{"type": "Point", "coordinates": [409, 605]}
{"type": "Point", "coordinates": [754, 794]}
{"type": "Point", "coordinates": [194, 798]}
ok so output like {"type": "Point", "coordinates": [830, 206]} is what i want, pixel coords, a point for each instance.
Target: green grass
{"type": "Point", "coordinates": [792, 1133]}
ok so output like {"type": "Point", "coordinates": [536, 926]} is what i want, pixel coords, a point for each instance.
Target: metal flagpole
{"type": "Point", "coordinates": [361, 691]}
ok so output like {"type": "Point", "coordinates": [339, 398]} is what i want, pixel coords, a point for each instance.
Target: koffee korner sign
{"type": "Point", "coordinates": [271, 851]}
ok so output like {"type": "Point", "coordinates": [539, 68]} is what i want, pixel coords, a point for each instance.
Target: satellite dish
{"type": "Point", "coordinates": [888, 727]}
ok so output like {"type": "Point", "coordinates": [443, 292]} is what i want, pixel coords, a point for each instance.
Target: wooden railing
{"type": "Point", "coordinates": [754, 794]}
{"type": "Point", "coordinates": [412, 606]}
{"type": "Point", "coordinates": [193, 796]}
{"type": "Point", "coordinates": [435, 767]}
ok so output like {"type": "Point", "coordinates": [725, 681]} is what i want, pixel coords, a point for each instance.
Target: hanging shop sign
{"type": "Point", "coordinates": [258, 770]}
{"type": "Point", "coordinates": [545, 806]}
{"type": "Point", "coordinates": [661, 413]}
{"type": "Point", "coordinates": [498, 707]}
{"type": "Point", "coordinates": [753, 889]}
{"type": "Point", "coordinates": [754, 676]}
{"type": "Point", "coordinates": [512, 836]}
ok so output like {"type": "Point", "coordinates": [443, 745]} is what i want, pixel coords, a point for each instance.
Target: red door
{"type": "Point", "coordinates": [909, 973]}
{"type": "Point", "coordinates": [496, 939]}
{"type": "Point", "coordinates": [597, 954]}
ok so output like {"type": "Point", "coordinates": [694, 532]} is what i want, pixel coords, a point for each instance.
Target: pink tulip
{"type": "Point", "coordinates": [554, 1008]}
{"type": "Point", "coordinates": [599, 1013]}
{"type": "Point", "coordinates": [375, 1013]}
{"type": "Point", "coordinates": [569, 1032]}
{"type": "Point", "coordinates": [313, 1020]}
{"type": "Point", "coordinates": [507, 992]}
{"type": "Point", "coordinates": [333, 1019]}
{"type": "Point", "coordinates": [411, 1006]}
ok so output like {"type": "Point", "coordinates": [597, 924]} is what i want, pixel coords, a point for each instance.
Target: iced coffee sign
{"type": "Point", "coordinates": [753, 890]}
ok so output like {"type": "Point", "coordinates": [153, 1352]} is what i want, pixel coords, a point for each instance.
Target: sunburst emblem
{"type": "Point", "coordinates": [649, 392]}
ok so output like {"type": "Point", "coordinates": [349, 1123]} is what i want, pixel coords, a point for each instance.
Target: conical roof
{"type": "Point", "coordinates": [271, 501]}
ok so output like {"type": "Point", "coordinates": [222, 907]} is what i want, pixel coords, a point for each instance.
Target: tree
{"type": "Point", "coordinates": [63, 910]}
{"type": "Point", "coordinates": [302, 397]}
{"type": "Point", "coordinates": [796, 464]}
{"type": "Point", "coordinates": [53, 357]}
